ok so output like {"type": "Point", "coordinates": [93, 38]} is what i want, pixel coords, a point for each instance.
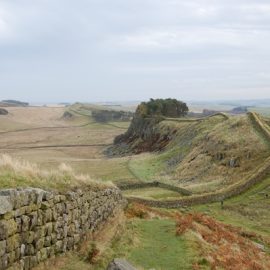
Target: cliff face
{"type": "Point", "coordinates": [143, 135]}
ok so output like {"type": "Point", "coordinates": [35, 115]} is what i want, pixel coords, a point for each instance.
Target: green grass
{"type": "Point", "coordinates": [250, 210]}
{"type": "Point", "coordinates": [147, 167]}
{"type": "Point", "coordinates": [157, 247]}
{"type": "Point", "coordinates": [155, 193]}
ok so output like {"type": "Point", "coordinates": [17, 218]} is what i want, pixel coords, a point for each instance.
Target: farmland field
{"type": "Point", "coordinates": [41, 135]}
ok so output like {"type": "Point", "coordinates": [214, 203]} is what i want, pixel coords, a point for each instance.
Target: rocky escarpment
{"type": "Point", "coordinates": [37, 224]}
{"type": "Point", "coordinates": [143, 135]}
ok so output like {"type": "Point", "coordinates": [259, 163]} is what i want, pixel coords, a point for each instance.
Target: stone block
{"type": "Point", "coordinates": [3, 246]}
{"type": "Point", "coordinates": [25, 223]}
{"type": "Point", "coordinates": [120, 264]}
{"type": "Point", "coordinates": [7, 228]}
{"type": "Point", "coordinates": [6, 204]}
{"type": "Point", "coordinates": [13, 242]}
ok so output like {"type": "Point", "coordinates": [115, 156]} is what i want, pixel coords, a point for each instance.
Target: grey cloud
{"type": "Point", "coordinates": [100, 49]}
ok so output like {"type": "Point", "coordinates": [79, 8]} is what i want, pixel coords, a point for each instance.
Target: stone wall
{"type": "Point", "coordinates": [37, 224]}
{"type": "Point", "coordinates": [260, 125]}
{"type": "Point", "coordinates": [258, 175]}
{"type": "Point", "coordinates": [140, 185]}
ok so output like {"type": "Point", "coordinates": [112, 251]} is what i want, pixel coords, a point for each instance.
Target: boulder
{"type": "Point", "coordinates": [5, 205]}
{"type": "Point", "coordinates": [120, 264]}
{"type": "Point", "coordinates": [234, 162]}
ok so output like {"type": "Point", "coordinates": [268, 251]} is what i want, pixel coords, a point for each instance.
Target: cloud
{"type": "Point", "coordinates": [100, 48]}
{"type": "Point", "coordinates": [183, 39]}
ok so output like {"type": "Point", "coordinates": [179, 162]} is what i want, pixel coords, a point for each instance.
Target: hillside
{"type": "Point", "coordinates": [206, 156]}
{"type": "Point", "coordinates": [13, 103]}
{"type": "Point", "coordinates": [201, 155]}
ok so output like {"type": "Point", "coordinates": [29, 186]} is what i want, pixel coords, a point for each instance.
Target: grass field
{"type": "Point", "coordinates": [155, 193]}
{"type": "Point", "coordinates": [41, 135]}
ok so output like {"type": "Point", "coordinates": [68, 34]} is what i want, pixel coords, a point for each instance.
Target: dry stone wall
{"type": "Point", "coordinates": [233, 190]}
{"type": "Point", "coordinates": [260, 125]}
{"type": "Point", "coordinates": [37, 224]}
{"type": "Point", "coordinates": [141, 185]}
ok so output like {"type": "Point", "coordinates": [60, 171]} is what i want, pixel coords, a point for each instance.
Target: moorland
{"type": "Point", "coordinates": [208, 155]}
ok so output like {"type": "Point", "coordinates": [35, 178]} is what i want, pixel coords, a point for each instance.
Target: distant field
{"type": "Point", "coordinates": [199, 108]}
{"type": "Point", "coordinates": [262, 110]}
{"type": "Point", "coordinates": [42, 136]}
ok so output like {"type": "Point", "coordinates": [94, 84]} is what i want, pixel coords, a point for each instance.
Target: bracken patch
{"type": "Point", "coordinates": [224, 246]}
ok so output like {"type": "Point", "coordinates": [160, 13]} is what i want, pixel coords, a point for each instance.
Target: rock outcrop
{"type": "Point", "coordinates": [143, 135]}
{"type": "Point", "coordinates": [120, 264]}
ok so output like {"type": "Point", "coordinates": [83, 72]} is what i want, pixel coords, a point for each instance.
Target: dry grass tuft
{"type": "Point", "coordinates": [21, 173]}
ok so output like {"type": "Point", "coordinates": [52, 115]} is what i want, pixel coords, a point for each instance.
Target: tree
{"type": "Point", "coordinates": [164, 107]}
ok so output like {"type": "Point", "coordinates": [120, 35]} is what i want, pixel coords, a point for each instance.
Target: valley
{"type": "Point", "coordinates": [207, 157]}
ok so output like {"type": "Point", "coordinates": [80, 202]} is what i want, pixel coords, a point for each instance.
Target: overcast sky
{"type": "Point", "coordinates": [102, 50]}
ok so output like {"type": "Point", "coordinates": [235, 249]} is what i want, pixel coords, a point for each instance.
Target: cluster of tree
{"type": "Point", "coordinates": [165, 107]}
{"type": "Point", "coordinates": [109, 115]}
